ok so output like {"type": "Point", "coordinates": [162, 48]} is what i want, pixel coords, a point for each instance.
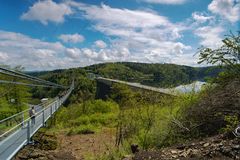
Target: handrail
{"type": "Point", "coordinates": [26, 120]}
{"type": "Point", "coordinates": [9, 131]}
{"type": "Point", "coordinates": [40, 104]}
{"type": "Point", "coordinates": [49, 105]}
{"type": "Point", "coordinates": [3, 120]}
{"type": "Point", "coordinates": [12, 140]}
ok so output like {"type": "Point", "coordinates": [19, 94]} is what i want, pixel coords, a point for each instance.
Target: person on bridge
{"type": "Point", "coordinates": [32, 115]}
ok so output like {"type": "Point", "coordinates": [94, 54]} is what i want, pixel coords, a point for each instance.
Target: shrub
{"type": "Point", "coordinates": [231, 123]}
{"type": "Point", "coordinates": [83, 129]}
{"type": "Point", "coordinates": [87, 117]}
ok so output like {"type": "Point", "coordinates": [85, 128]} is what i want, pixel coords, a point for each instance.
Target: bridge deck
{"type": "Point", "coordinates": [137, 85]}
{"type": "Point", "coordinates": [11, 144]}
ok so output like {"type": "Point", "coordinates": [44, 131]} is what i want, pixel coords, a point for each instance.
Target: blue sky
{"type": "Point", "coordinates": [51, 34]}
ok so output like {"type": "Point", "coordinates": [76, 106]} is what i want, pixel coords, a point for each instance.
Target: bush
{"type": "Point", "coordinates": [231, 123]}
{"type": "Point", "coordinates": [87, 117]}
{"type": "Point", "coordinates": [209, 115]}
{"type": "Point", "coordinates": [156, 125]}
{"type": "Point", "coordinates": [83, 129]}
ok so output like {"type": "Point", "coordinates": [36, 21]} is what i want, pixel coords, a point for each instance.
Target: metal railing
{"type": "Point", "coordinates": [236, 132]}
{"type": "Point", "coordinates": [12, 140]}
{"type": "Point", "coordinates": [26, 111]}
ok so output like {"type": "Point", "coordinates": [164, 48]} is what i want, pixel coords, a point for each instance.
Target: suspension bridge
{"type": "Point", "coordinates": [14, 138]}
{"type": "Point", "coordinates": [18, 135]}
{"type": "Point", "coordinates": [110, 82]}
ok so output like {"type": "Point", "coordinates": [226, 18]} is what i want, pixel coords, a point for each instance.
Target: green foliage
{"type": "Point", "coordinates": [227, 55]}
{"type": "Point", "coordinates": [159, 75]}
{"type": "Point", "coordinates": [115, 70]}
{"type": "Point", "coordinates": [151, 124]}
{"type": "Point", "coordinates": [115, 153]}
{"type": "Point", "coordinates": [215, 105]}
{"type": "Point", "coordinates": [13, 98]}
{"type": "Point", "coordinates": [122, 95]}
{"type": "Point", "coordinates": [84, 129]}
{"type": "Point", "coordinates": [231, 123]}
{"type": "Point", "coordinates": [86, 117]}
{"type": "Point", "coordinates": [84, 88]}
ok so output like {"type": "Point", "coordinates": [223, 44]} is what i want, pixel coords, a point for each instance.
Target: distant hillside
{"type": "Point", "coordinates": [160, 75]}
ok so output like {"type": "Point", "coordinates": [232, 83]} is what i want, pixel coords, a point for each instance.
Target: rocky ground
{"type": "Point", "coordinates": [78, 147]}
{"type": "Point", "coordinates": [219, 147]}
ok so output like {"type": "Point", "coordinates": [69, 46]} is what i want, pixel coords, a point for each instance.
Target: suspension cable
{"type": "Point", "coordinates": [27, 84]}
{"type": "Point", "coordinates": [25, 76]}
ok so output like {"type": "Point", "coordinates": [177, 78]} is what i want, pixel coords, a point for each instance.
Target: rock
{"type": "Point", "coordinates": [236, 147]}
{"type": "Point", "coordinates": [181, 147]}
{"type": "Point", "coordinates": [174, 152]}
{"type": "Point", "coordinates": [134, 148]}
{"type": "Point", "coordinates": [184, 154]}
{"type": "Point", "coordinates": [206, 144]}
{"type": "Point", "coordinates": [127, 157]}
{"type": "Point", "coordinates": [36, 155]}
{"type": "Point", "coordinates": [188, 151]}
{"type": "Point", "coordinates": [226, 150]}
{"type": "Point", "coordinates": [220, 144]}
{"type": "Point", "coordinates": [174, 156]}
{"type": "Point", "coordinates": [201, 143]}
{"type": "Point", "coordinates": [195, 153]}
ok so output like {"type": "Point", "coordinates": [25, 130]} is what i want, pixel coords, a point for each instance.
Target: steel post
{"type": "Point", "coordinates": [43, 118]}
{"type": "Point", "coordinates": [28, 132]}
{"type": "Point", "coordinates": [51, 110]}
{"type": "Point", "coordinates": [23, 119]}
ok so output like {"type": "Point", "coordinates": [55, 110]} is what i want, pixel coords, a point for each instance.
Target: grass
{"type": "Point", "coordinates": [7, 111]}
{"type": "Point", "coordinates": [155, 125]}
{"type": "Point", "coordinates": [88, 117]}
{"type": "Point", "coordinates": [150, 125]}
{"type": "Point", "coordinates": [83, 129]}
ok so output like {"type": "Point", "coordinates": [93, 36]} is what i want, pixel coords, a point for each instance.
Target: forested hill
{"type": "Point", "coordinates": [155, 74]}
{"type": "Point", "coordinates": [159, 75]}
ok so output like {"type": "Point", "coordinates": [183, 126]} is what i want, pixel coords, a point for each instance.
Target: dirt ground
{"type": "Point", "coordinates": [75, 147]}
{"type": "Point", "coordinates": [90, 145]}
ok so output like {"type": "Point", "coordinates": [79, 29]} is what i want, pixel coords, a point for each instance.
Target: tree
{"type": "Point", "coordinates": [227, 55]}
{"type": "Point", "coordinates": [158, 76]}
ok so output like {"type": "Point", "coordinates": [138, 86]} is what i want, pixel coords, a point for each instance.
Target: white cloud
{"type": "Point", "coordinates": [73, 53]}
{"type": "Point", "coordinates": [210, 35]}
{"type": "Point", "coordinates": [143, 36]}
{"type": "Point", "coordinates": [31, 53]}
{"type": "Point", "coordinates": [71, 38]}
{"type": "Point", "coordinates": [172, 2]}
{"type": "Point", "coordinates": [100, 44]}
{"type": "Point", "coordinates": [226, 8]}
{"type": "Point", "coordinates": [35, 54]}
{"type": "Point", "coordinates": [121, 17]}
{"type": "Point", "coordinates": [3, 57]}
{"type": "Point", "coordinates": [46, 11]}
{"type": "Point", "coordinates": [200, 17]}
{"type": "Point", "coordinates": [134, 35]}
